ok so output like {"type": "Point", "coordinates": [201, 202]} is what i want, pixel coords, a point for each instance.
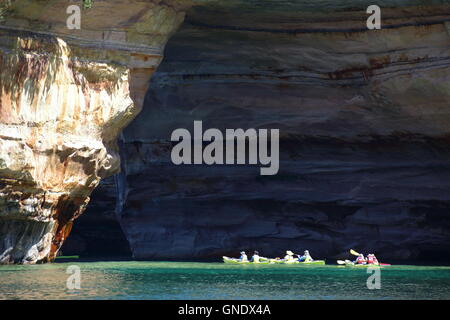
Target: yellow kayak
{"type": "Point", "coordinates": [296, 262]}
{"type": "Point", "coordinates": [272, 261]}
{"type": "Point", "coordinates": [237, 261]}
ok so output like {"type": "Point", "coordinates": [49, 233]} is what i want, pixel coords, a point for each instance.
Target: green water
{"type": "Point", "coordinates": [182, 280]}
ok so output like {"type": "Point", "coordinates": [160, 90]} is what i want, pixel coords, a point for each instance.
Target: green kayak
{"type": "Point", "coordinates": [271, 261]}
{"type": "Point", "coordinates": [237, 261]}
{"type": "Point", "coordinates": [296, 262]}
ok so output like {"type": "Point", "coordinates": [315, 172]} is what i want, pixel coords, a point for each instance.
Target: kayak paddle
{"type": "Point", "coordinates": [340, 262]}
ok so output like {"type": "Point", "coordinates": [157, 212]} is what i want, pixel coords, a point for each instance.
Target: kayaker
{"type": "Point", "coordinates": [255, 257]}
{"type": "Point", "coordinates": [306, 257]}
{"type": "Point", "coordinates": [375, 260]}
{"type": "Point", "coordinates": [289, 257]}
{"type": "Point", "coordinates": [360, 259]}
{"type": "Point", "coordinates": [243, 257]}
{"type": "Point", "coordinates": [371, 259]}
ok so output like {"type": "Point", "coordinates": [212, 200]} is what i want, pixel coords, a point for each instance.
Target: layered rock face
{"type": "Point", "coordinates": [64, 97]}
{"type": "Point", "coordinates": [364, 119]}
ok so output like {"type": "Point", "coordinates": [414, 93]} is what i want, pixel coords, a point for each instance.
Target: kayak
{"type": "Point", "coordinates": [352, 264]}
{"type": "Point", "coordinates": [348, 263]}
{"type": "Point", "coordinates": [237, 261]}
{"type": "Point", "coordinates": [272, 261]}
{"type": "Point", "coordinates": [315, 262]}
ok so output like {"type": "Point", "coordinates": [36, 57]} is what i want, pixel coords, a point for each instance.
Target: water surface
{"type": "Point", "coordinates": [186, 280]}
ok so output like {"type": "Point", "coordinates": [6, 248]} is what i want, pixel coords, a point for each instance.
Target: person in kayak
{"type": "Point", "coordinates": [243, 257]}
{"type": "Point", "coordinates": [360, 259]}
{"type": "Point", "coordinates": [289, 257]}
{"type": "Point", "coordinates": [371, 259]}
{"type": "Point", "coordinates": [306, 257]}
{"type": "Point", "coordinates": [256, 258]}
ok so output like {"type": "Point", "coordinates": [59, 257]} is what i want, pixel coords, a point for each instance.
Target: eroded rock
{"type": "Point", "coordinates": [64, 97]}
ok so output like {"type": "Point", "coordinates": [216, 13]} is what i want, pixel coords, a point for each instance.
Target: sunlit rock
{"type": "Point", "coordinates": [64, 97]}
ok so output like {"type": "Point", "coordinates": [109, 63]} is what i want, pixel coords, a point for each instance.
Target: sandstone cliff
{"type": "Point", "coordinates": [64, 97]}
{"type": "Point", "coordinates": [364, 118]}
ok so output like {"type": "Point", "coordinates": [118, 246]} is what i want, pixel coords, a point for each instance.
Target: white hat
{"type": "Point", "coordinates": [289, 252]}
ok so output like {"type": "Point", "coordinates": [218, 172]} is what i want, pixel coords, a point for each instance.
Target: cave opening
{"type": "Point", "coordinates": [97, 233]}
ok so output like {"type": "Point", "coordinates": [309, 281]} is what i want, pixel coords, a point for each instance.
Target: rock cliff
{"type": "Point", "coordinates": [65, 95]}
{"type": "Point", "coordinates": [363, 116]}
{"type": "Point", "coordinates": [364, 120]}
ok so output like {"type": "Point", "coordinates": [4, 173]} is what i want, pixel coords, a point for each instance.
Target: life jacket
{"type": "Point", "coordinates": [308, 258]}
{"type": "Point", "coordinates": [370, 260]}
{"type": "Point", "coordinates": [360, 260]}
{"type": "Point", "coordinates": [288, 258]}
{"type": "Point", "coordinates": [243, 257]}
{"type": "Point", "coordinates": [255, 258]}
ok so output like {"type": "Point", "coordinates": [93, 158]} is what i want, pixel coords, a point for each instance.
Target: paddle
{"type": "Point", "coordinates": [340, 262]}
